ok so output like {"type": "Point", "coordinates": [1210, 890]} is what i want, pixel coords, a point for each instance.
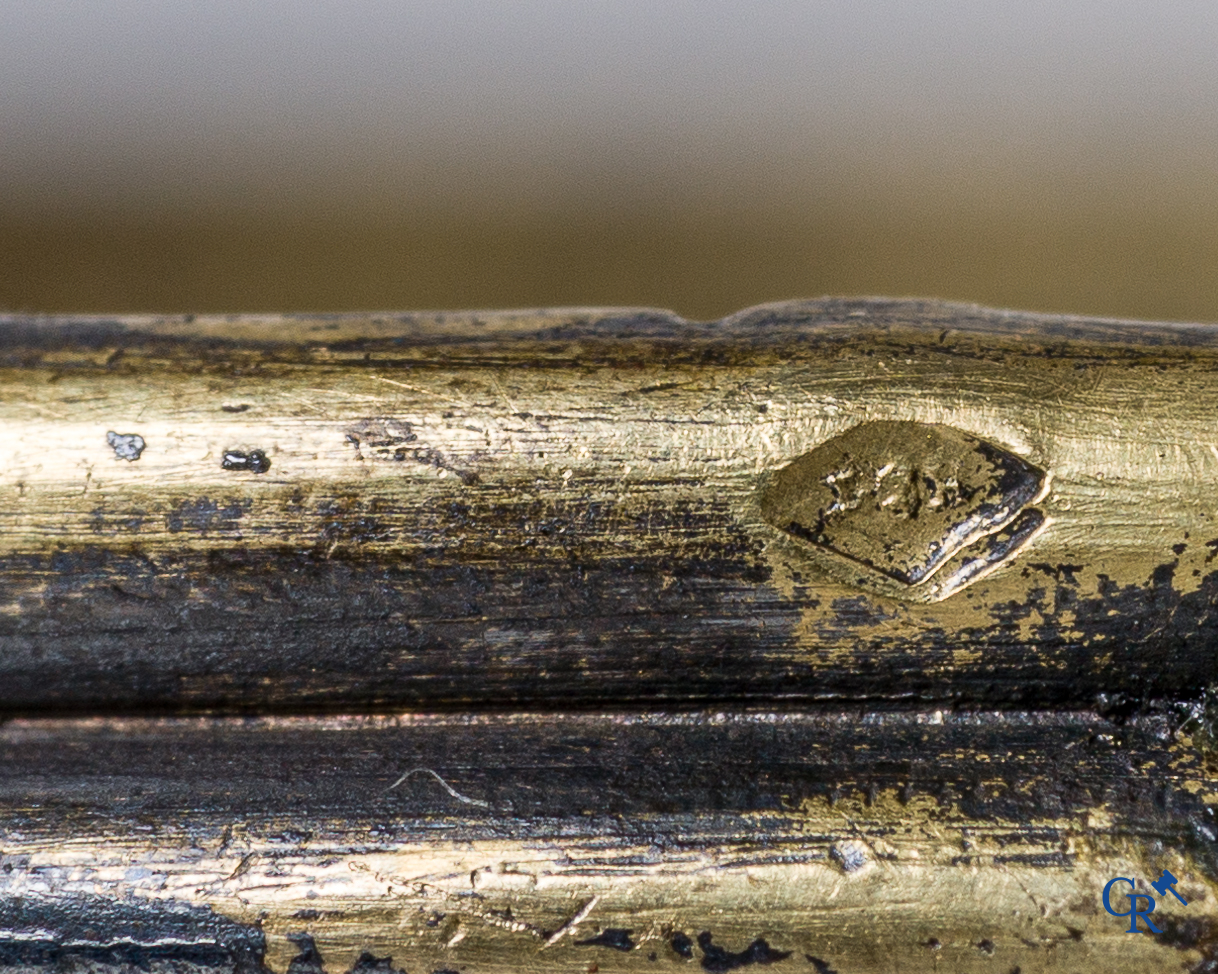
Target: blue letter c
{"type": "Point", "coordinates": [1108, 905]}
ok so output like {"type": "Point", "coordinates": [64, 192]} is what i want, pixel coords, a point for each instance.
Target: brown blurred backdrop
{"type": "Point", "coordinates": [699, 156]}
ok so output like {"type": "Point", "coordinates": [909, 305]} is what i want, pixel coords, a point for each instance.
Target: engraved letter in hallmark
{"type": "Point", "coordinates": [914, 510]}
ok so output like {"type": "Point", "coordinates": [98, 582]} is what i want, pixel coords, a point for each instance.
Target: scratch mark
{"type": "Point", "coordinates": [426, 392]}
{"type": "Point", "coordinates": [503, 392]}
{"type": "Point", "coordinates": [443, 784]}
{"type": "Point", "coordinates": [243, 866]}
{"type": "Point", "coordinates": [1213, 450]}
{"type": "Point", "coordinates": [44, 411]}
{"type": "Point", "coordinates": [570, 925]}
{"type": "Point", "coordinates": [663, 386]}
{"type": "Point", "coordinates": [1027, 892]}
{"type": "Point", "coordinates": [310, 403]}
{"type": "Point", "coordinates": [335, 393]}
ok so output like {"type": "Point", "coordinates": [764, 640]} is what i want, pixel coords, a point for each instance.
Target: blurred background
{"type": "Point", "coordinates": [698, 155]}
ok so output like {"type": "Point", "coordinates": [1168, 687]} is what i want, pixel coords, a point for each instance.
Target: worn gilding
{"type": "Point", "coordinates": [571, 506]}
{"type": "Point", "coordinates": [698, 842]}
{"type": "Point", "coordinates": [836, 636]}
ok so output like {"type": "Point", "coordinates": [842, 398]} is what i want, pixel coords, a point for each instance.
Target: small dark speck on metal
{"type": "Point", "coordinates": [255, 461]}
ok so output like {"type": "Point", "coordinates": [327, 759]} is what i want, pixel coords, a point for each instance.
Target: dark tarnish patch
{"type": "Point", "coordinates": [127, 446]}
{"type": "Point", "coordinates": [350, 520]}
{"type": "Point", "coordinates": [381, 438]}
{"type": "Point", "coordinates": [387, 438]}
{"type": "Point", "coordinates": [614, 938]}
{"type": "Point", "coordinates": [424, 620]}
{"type": "Point", "coordinates": [368, 964]}
{"type": "Point", "coordinates": [1199, 720]}
{"type": "Point", "coordinates": [83, 931]}
{"type": "Point", "coordinates": [434, 458]}
{"type": "Point", "coordinates": [1153, 633]}
{"type": "Point", "coordinates": [1060, 572]}
{"type": "Point", "coordinates": [717, 960]}
{"type": "Point", "coordinates": [396, 618]}
{"type": "Point", "coordinates": [255, 461]}
{"type": "Point", "coordinates": [682, 945]}
{"type": "Point", "coordinates": [821, 966]}
{"type": "Point", "coordinates": [204, 515]}
{"type": "Point", "coordinates": [787, 331]}
{"type": "Point", "coordinates": [1190, 933]}
{"type": "Point", "coordinates": [102, 521]}
{"type": "Point", "coordinates": [1135, 643]}
{"type": "Point", "coordinates": [308, 960]}
{"type": "Point", "coordinates": [1072, 764]}
{"type": "Point", "coordinates": [852, 614]}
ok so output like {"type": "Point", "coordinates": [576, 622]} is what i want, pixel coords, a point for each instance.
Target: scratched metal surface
{"type": "Point", "coordinates": [700, 841]}
{"type": "Point", "coordinates": [629, 635]}
{"type": "Point", "coordinates": [564, 508]}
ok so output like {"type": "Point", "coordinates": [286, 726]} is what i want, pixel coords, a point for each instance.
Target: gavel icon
{"type": "Point", "coordinates": [1163, 885]}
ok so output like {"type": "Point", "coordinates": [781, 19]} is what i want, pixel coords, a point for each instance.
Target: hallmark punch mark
{"type": "Point", "coordinates": [914, 510]}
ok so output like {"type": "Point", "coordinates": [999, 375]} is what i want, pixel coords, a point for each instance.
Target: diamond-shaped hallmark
{"type": "Point", "coordinates": [914, 510]}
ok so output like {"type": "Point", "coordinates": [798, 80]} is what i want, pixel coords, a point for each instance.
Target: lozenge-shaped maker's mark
{"type": "Point", "coordinates": [926, 506]}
